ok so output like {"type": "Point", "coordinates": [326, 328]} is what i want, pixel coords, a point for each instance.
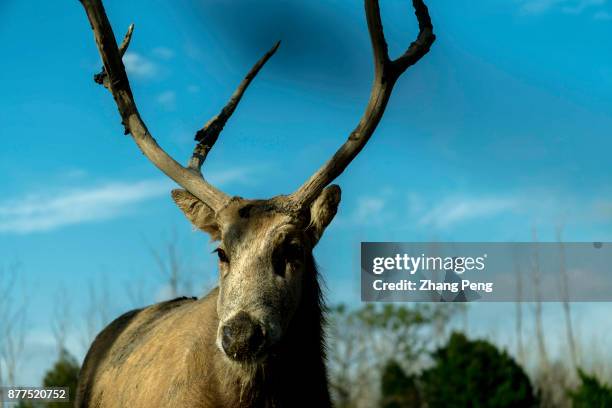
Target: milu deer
{"type": "Point", "coordinates": [257, 339]}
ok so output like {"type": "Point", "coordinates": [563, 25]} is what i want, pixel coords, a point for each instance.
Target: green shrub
{"type": "Point", "coordinates": [64, 373]}
{"type": "Point", "coordinates": [591, 393]}
{"type": "Point", "coordinates": [475, 374]}
{"type": "Point", "coordinates": [398, 390]}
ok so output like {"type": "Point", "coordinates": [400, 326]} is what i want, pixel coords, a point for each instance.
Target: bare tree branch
{"type": "Point", "coordinates": [97, 314]}
{"type": "Point", "coordinates": [520, 349]}
{"type": "Point", "coordinates": [13, 315]}
{"type": "Point", "coordinates": [539, 329]}
{"type": "Point", "coordinates": [135, 290]}
{"type": "Point", "coordinates": [60, 325]}
{"type": "Point", "coordinates": [564, 281]}
{"type": "Point", "coordinates": [172, 270]}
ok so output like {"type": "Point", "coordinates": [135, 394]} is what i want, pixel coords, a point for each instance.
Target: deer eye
{"type": "Point", "coordinates": [293, 252]}
{"type": "Point", "coordinates": [222, 255]}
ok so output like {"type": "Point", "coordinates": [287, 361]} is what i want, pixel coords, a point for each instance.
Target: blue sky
{"type": "Point", "coordinates": [502, 128]}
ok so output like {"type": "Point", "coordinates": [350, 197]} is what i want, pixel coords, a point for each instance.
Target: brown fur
{"type": "Point", "coordinates": [256, 340]}
{"type": "Point", "coordinates": [168, 354]}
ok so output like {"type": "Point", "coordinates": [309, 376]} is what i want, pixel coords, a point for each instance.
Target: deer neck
{"type": "Point", "coordinates": [294, 374]}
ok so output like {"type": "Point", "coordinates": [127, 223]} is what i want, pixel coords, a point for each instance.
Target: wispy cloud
{"type": "Point", "coordinates": [460, 209]}
{"type": "Point", "coordinates": [534, 7]}
{"type": "Point", "coordinates": [370, 210]}
{"type": "Point", "coordinates": [602, 16]}
{"type": "Point", "coordinates": [47, 212]}
{"type": "Point", "coordinates": [539, 6]}
{"type": "Point", "coordinates": [164, 53]}
{"type": "Point", "coordinates": [394, 210]}
{"type": "Point", "coordinates": [139, 66]}
{"type": "Point", "coordinates": [193, 88]}
{"type": "Point", "coordinates": [69, 206]}
{"type": "Point", "coordinates": [577, 7]}
{"type": "Point", "coordinates": [149, 65]}
{"type": "Point", "coordinates": [240, 175]}
{"type": "Point", "coordinates": [167, 100]}
{"type": "Point", "coordinates": [542, 207]}
{"type": "Point", "coordinates": [388, 208]}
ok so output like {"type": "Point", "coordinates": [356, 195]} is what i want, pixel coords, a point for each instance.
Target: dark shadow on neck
{"type": "Point", "coordinates": [295, 375]}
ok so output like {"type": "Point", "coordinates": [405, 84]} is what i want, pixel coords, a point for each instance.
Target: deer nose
{"type": "Point", "coordinates": [242, 337]}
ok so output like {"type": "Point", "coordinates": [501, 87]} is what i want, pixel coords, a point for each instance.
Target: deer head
{"type": "Point", "coordinates": [265, 246]}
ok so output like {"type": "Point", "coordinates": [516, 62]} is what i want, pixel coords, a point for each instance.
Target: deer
{"type": "Point", "coordinates": [257, 339]}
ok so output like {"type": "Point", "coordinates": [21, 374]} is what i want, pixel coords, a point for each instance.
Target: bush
{"type": "Point", "coordinates": [361, 341]}
{"type": "Point", "coordinates": [475, 374]}
{"type": "Point", "coordinates": [591, 393]}
{"type": "Point", "coordinates": [398, 390]}
{"type": "Point", "coordinates": [64, 373]}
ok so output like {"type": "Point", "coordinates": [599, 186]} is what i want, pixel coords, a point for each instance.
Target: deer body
{"type": "Point", "coordinates": [185, 368]}
{"type": "Point", "coordinates": [179, 343]}
{"type": "Point", "coordinates": [256, 340]}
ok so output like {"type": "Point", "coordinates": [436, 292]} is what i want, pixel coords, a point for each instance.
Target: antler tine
{"type": "Point", "coordinates": [208, 135]}
{"type": "Point", "coordinates": [102, 78]}
{"type": "Point", "coordinates": [115, 79]}
{"type": "Point", "coordinates": [386, 73]}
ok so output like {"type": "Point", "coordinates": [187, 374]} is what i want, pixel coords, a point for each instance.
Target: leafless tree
{"type": "Point", "coordinates": [537, 311]}
{"type": "Point", "coordinates": [13, 315]}
{"type": "Point", "coordinates": [96, 314]}
{"type": "Point", "coordinates": [62, 319]}
{"type": "Point", "coordinates": [136, 290]}
{"type": "Point", "coordinates": [363, 341]}
{"type": "Point", "coordinates": [520, 348]}
{"type": "Point", "coordinates": [569, 330]}
{"type": "Point", "coordinates": [173, 271]}
{"type": "Point", "coordinates": [351, 374]}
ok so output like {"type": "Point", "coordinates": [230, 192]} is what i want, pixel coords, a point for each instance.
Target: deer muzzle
{"type": "Point", "coordinates": [243, 338]}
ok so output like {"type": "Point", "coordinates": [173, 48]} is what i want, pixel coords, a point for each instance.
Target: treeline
{"type": "Point", "coordinates": [390, 356]}
{"type": "Point", "coordinates": [399, 356]}
{"type": "Point", "coordinates": [474, 373]}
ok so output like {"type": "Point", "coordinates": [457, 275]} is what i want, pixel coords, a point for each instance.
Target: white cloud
{"type": "Point", "coordinates": [51, 211]}
{"type": "Point", "coordinates": [74, 174]}
{"type": "Point", "coordinates": [193, 89]}
{"type": "Point", "coordinates": [163, 53]}
{"type": "Point", "coordinates": [71, 206]}
{"type": "Point", "coordinates": [382, 209]}
{"type": "Point", "coordinates": [539, 6]}
{"type": "Point", "coordinates": [459, 209]}
{"type": "Point", "coordinates": [167, 99]}
{"type": "Point", "coordinates": [368, 208]}
{"type": "Point", "coordinates": [139, 66]}
{"type": "Point", "coordinates": [164, 293]}
{"type": "Point", "coordinates": [566, 6]}
{"type": "Point", "coordinates": [408, 210]}
{"type": "Point", "coordinates": [240, 175]}
{"type": "Point", "coordinates": [602, 16]}
{"type": "Point", "coordinates": [579, 6]}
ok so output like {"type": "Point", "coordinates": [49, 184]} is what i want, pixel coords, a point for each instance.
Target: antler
{"type": "Point", "coordinates": [207, 136]}
{"type": "Point", "coordinates": [114, 78]}
{"type": "Point", "coordinates": [386, 73]}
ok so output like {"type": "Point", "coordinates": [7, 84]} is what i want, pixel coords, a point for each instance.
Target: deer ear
{"type": "Point", "coordinates": [322, 211]}
{"type": "Point", "coordinates": [200, 215]}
